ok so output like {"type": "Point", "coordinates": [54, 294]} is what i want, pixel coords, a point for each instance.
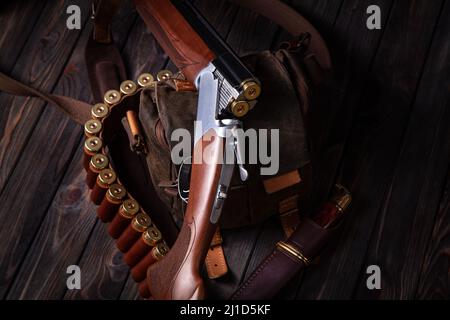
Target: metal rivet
{"type": "Point", "coordinates": [164, 75]}
{"type": "Point", "coordinates": [99, 110]}
{"type": "Point", "coordinates": [112, 97]}
{"type": "Point", "coordinates": [128, 87]}
{"type": "Point", "coordinates": [145, 79]}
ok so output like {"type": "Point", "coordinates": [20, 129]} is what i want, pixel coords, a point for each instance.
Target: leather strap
{"type": "Point", "coordinates": [215, 262]}
{"type": "Point", "coordinates": [284, 262]}
{"type": "Point", "coordinates": [75, 109]}
{"type": "Point", "coordinates": [281, 182]}
{"type": "Point", "coordinates": [293, 22]}
{"type": "Point", "coordinates": [103, 12]}
{"type": "Point", "coordinates": [289, 214]}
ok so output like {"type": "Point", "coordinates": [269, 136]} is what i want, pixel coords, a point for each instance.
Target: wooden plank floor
{"type": "Point", "coordinates": [382, 130]}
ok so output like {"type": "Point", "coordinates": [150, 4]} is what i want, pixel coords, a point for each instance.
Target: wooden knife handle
{"type": "Point", "coordinates": [176, 36]}
{"type": "Point", "coordinates": [177, 276]}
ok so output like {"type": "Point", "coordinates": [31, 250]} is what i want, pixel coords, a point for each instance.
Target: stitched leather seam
{"type": "Point", "coordinates": [253, 276]}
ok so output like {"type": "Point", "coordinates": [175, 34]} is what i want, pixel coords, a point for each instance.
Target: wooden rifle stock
{"type": "Point", "coordinates": [176, 36]}
{"type": "Point", "coordinates": [177, 276]}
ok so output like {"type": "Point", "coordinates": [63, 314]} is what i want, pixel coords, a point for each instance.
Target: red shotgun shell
{"type": "Point", "coordinates": [138, 225]}
{"type": "Point", "coordinates": [127, 211]}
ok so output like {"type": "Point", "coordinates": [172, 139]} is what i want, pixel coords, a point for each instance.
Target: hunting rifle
{"type": "Point", "coordinates": [227, 91]}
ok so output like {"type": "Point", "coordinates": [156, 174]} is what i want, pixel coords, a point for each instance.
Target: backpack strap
{"type": "Point", "coordinates": [293, 22]}
{"type": "Point", "coordinates": [103, 12]}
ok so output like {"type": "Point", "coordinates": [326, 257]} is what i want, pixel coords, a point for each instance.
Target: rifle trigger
{"type": "Point", "coordinates": [243, 173]}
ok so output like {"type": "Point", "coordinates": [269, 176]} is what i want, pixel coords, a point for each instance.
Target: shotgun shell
{"type": "Point", "coordinates": [92, 145]}
{"type": "Point", "coordinates": [105, 178]}
{"type": "Point", "coordinates": [128, 87]}
{"type": "Point", "coordinates": [148, 240]}
{"type": "Point", "coordinates": [139, 271]}
{"type": "Point", "coordinates": [240, 108]}
{"type": "Point", "coordinates": [127, 211]}
{"type": "Point", "coordinates": [92, 127]}
{"type": "Point", "coordinates": [111, 97]}
{"type": "Point", "coordinates": [138, 225]}
{"type": "Point", "coordinates": [164, 75]}
{"type": "Point", "coordinates": [99, 111]}
{"type": "Point", "coordinates": [98, 163]}
{"type": "Point", "coordinates": [145, 79]}
{"type": "Point", "coordinates": [111, 202]}
{"type": "Point", "coordinates": [144, 289]}
{"type": "Point", "coordinates": [251, 89]}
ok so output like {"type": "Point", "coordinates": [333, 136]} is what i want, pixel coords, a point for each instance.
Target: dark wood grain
{"type": "Point", "coordinates": [375, 142]}
{"type": "Point", "coordinates": [27, 193]}
{"type": "Point", "coordinates": [130, 290]}
{"type": "Point", "coordinates": [103, 270]}
{"type": "Point", "coordinates": [47, 51]}
{"type": "Point", "coordinates": [59, 242]}
{"type": "Point", "coordinates": [17, 19]}
{"type": "Point", "coordinates": [434, 281]}
{"type": "Point", "coordinates": [353, 48]}
{"type": "Point", "coordinates": [69, 221]}
{"type": "Point", "coordinates": [401, 244]}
